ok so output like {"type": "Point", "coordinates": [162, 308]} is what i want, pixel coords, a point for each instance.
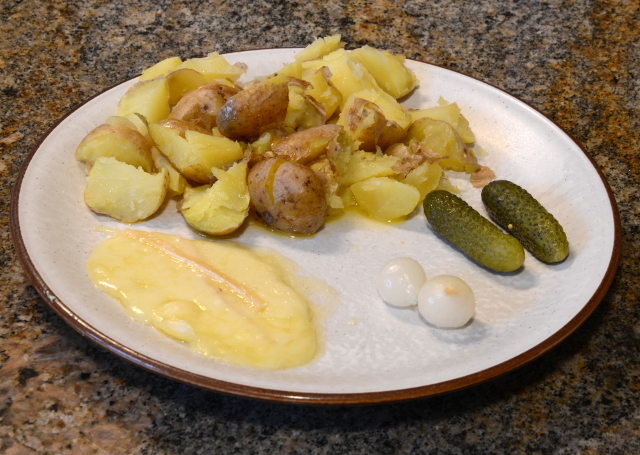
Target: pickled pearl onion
{"type": "Point", "coordinates": [399, 281]}
{"type": "Point", "coordinates": [446, 301]}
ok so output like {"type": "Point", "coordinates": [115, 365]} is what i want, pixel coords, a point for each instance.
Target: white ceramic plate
{"type": "Point", "coordinates": [373, 352]}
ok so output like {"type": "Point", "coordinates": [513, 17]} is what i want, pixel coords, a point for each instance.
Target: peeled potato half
{"type": "Point", "coordinates": [124, 192]}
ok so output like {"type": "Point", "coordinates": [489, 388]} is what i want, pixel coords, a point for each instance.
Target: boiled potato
{"type": "Point", "coordinates": [384, 198]}
{"type": "Point", "coordinates": [219, 208]}
{"type": "Point", "coordinates": [182, 126]}
{"type": "Point", "coordinates": [441, 137]}
{"type": "Point", "coordinates": [182, 82]}
{"type": "Point", "coordinates": [118, 139]}
{"type": "Point", "coordinates": [346, 75]}
{"type": "Point", "coordinates": [425, 178]}
{"type": "Point", "coordinates": [287, 196]}
{"type": "Point", "coordinates": [307, 145]}
{"type": "Point", "coordinates": [214, 66]}
{"type": "Point", "coordinates": [364, 165]}
{"type": "Point", "coordinates": [195, 154]}
{"type": "Point", "coordinates": [374, 119]}
{"type": "Point", "coordinates": [319, 48]}
{"type": "Point", "coordinates": [176, 183]}
{"type": "Point", "coordinates": [161, 68]}
{"type": "Point", "coordinates": [326, 171]}
{"type": "Point", "coordinates": [147, 98]}
{"type": "Point", "coordinates": [323, 91]}
{"type": "Point", "coordinates": [387, 69]}
{"type": "Point", "coordinates": [293, 69]}
{"type": "Point", "coordinates": [124, 192]}
{"type": "Point", "coordinates": [303, 111]}
{"type": "Point", "coordinates": [253, 110]}
{"type": "Point", "coordinates": [450, 113]}
{"type": "Point", "coordinates": [200, 106]}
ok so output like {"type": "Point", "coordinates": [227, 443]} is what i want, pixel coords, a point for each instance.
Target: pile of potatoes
{"type": "Point", "coordinates": [323, 134]}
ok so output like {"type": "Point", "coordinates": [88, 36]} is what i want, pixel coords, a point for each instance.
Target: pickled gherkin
{"type": "Point", "coordinates": [513, 208]}
{"type": "Point", "coordinates": [474, 235]}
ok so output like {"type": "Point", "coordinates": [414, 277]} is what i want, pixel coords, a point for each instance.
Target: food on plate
{"type": "Point", "coordinates": [374, 119]}
{"type": "Point", "coordinates": [162, 68]}
{"type": "Point", "coordinates": [442, 137]}
{"type": "Point", "coordinates": [200, 106]}
{"type": "Point", "coordinates": [219, 208]}
{"type": "Point", "coordinates": [124, 192]}
{"type": "Point", "coordinates": [319, 48]}
{"type": "Point", "coordinates": [387, 69]}
{"type": "Point", "coordinates": [384, 198]}
{"type": "Point", "coordinates": [474, 235]}
{"type": "Point", "coordinates": [234, 303]}
{"type": "Point", "coordinates": [195, 154]}
{"type": "Point", "coordinates": [287, 196]}
{"type": "Point", "coordinates": [332, 115]}
{"type": "Point", "coordinates": [181, 82]}
{"type": "Point", "coordinates": [177, 182]}
{"type": "Point", "coordinates": [308, 145]}
{"type": "Point", "coordinates": [399, 281]}
{"type": "Point", "coordinates": [214, 66]}
{"type": "Point", "coordinates": [446, 301]}
{"type": "Point", "coordinates": [149, 99]}
{"type": "Point", "coordinates": [517, 211]}
{"type": "Point", "coordinates": [447, 112]}
{"type": "Point", "coordinates": [117, 138]}
{"type": "Point", "coordinates": [246, 115]}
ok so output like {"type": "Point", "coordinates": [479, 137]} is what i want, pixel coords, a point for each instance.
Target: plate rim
{"type": "Point", "coordinates": [283, 396]}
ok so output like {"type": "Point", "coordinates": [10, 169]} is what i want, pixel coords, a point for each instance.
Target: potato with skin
{"type": "Point", "coordinates": [307, 145]}
{"type": "Point", "coordinates": [220, 208]}
{"type": "Point", "coordinates": [375, 119]}
{"type": "Point", "coordinates": [181, 82]}
{"type": "Point", "coordinates": [287, 196]}
{"type": "Point", "coordinates": [253, 110]}
{"type": "Point", "coordinates": [182, 126]}
{"type": "Point", "coordinates": [441, 137]}
{"type": "Point", "coordinates": [201, 106]}
{"type": "Point", "coordinates": [118, 139]}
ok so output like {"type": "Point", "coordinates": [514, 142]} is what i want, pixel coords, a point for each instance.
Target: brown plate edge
{"type": "Point", "coordinates": [298, 397]}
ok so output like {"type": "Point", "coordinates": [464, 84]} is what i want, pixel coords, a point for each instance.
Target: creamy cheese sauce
{"type": "Point", "coordinates": [232, 302]}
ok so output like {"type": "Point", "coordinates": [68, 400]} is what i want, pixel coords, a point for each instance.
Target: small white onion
{"type": "Point", "coordinates": [446, 301]}
{"type": "Point", "coordinates": [400, 280]}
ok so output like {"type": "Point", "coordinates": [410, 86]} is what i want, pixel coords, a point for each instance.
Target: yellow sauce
{"type": "Point", "coordinates": [231, 302]}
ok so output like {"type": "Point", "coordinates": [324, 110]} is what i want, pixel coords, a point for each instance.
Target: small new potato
{"type": "Point", "coordinates": [200, 106]}
{"type": "Point", "coordinates": [287, 196]}
{"type": "Point", "coordinates": [253, 110]}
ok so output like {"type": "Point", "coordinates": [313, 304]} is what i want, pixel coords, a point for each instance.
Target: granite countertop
{"type": "Point", "coordinates": [577, 62]}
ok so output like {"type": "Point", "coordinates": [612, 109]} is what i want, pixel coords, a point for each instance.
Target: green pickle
{"type": "Point", "coordinates": [513, 208]}
{"type": "Point", "coordinates": [474, 235]}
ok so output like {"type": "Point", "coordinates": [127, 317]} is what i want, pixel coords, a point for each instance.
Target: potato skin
{"type": "Point", "coordinates": [298, 147]}
{"type": "Point", "coordinates": [287, 196]}
{"type": "Point", "coordinates": [253, 110]}
{"type": "Point", "coordinates": [200, 106]}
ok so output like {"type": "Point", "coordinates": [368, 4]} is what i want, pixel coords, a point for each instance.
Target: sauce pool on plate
{"type": "Point", "coordinates": [232, 302]}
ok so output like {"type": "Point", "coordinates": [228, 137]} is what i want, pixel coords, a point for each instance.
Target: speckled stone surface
{"type": "Point", "coordinates": [576, 61]}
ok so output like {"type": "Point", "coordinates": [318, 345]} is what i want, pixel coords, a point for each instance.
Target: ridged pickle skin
{"type": "Point", "coordinates": [517, 211]}
{"type": "Point", "coordinates": [470, 232]}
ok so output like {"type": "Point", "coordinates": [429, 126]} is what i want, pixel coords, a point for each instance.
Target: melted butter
{"type": "Point", "coordinates": [231, 302]}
